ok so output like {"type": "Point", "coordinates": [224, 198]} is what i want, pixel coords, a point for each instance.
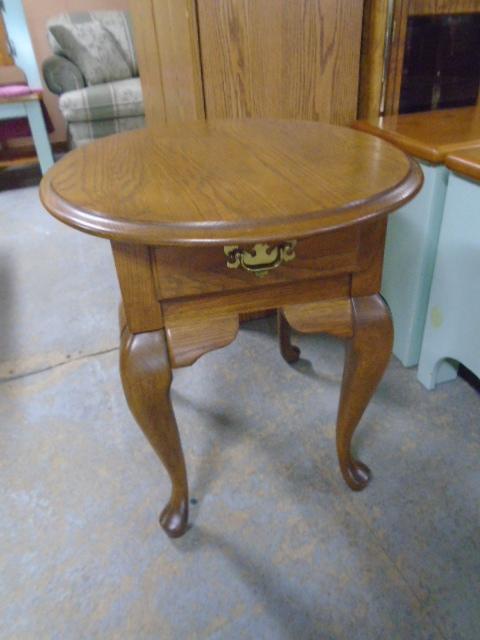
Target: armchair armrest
{"type": "Point", "coordinates": [62, 75]}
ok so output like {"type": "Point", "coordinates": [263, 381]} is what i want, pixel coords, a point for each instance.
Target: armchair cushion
{"type": "Point", "coordinates": [81, 133]}
{"type": "Point", "coordinates": [62, 75]}
{"type": "Point", "coordinates": [103, 101]}
{"type": "Point", "coordinates": [93, 49]}
{"type": "Point", "coordinates": [116, 22]}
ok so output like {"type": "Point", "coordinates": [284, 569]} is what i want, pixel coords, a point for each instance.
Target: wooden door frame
{"type": "Point", "coordinates": [402, 11]}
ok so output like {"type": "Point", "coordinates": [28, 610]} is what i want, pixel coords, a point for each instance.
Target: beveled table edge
{"type": "Point", "coordinates": [464, 167]}
{"type": "Point", "coordinates": [198, 233]}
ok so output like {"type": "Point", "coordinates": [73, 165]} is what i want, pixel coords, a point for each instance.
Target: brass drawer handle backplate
{"type": "Point", "coordinates": [261, 258]}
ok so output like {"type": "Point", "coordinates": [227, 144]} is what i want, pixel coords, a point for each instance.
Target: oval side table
{"type": "Point", "coordinates": [209, 220]}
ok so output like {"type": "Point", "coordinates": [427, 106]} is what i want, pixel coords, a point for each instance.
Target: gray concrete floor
{"type": "Point", "coordinates": [279, 547]}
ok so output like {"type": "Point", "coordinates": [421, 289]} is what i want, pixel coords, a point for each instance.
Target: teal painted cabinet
{"type": "Point", "coordinates": [413, 231]}
{"type": "Point", "coordinates": [410, 251]}
{"type": "Point", "coordinates": [452, 330]}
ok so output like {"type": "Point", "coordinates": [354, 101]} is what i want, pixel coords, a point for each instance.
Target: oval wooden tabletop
{"type": "Point", "coordinates": [228, 181]}
{"type": "Point", "coordinates": [465, 162]}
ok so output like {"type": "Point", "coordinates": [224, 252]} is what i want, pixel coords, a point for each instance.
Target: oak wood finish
{"type": "Point", "coordinates": [397, 53]}
{"type": "Point", "coordinates": [465, 162]}
{"type": "Point", "coordinates": [166, 42]}
{"type": "Point", "coordinates": [372, 244]}
{"type": "Point", "coordinates": [367, 355]}
{"type": "Point", "coordinates": [293, 60]}
{"type": "Point", "coordinates": [228, 182]}
{"type": "Point", "coordinates": [183, 272]}
{"type": "Point", "coordinates": [148, 59]}
{"type": "Point", "coordinates": [248, 58]}
{"type": "Point", "coordinates": [169, 198]}
{"type": "Point", "coordinates": [372, 60]}
{"type": "Point", "coordinates": [142, 309]}
{"type": "Point", "coordinates": [430, 135]}
{"type": "Point", "coordinates": [290, 352]}
{"type": "Point", "coordinates": [146, 379]}
{"type": "Point", "coordinates": [438, 7]}
{"type": "Point", "coordinates": [177, 37]}
{"type": "Point", "coordinates": [254, 299]}
{"type": "Point", "coordinates": [330, 316]}
{"type": "Point", "coordinates": [281, 59]}
{"type": "Point", "coordinates": [189, 340]}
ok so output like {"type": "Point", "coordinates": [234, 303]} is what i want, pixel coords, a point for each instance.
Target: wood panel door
{"type": "Point", "coordinates": [281, 58]}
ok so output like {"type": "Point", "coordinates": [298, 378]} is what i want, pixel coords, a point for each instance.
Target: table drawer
{"type": "Point", "coordinates": [190, 271]}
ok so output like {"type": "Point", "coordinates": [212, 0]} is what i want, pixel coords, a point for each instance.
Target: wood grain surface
{"type": "Point", "coordinates": [327, 316]}
{"type": "Point", "coordinates": [367, 354]}
{"type": "Point", "coordinates": [177, 37]}
{"type": "Point", "coordinates": [430, 135]}
{"type": "Point", "coordinates": [140, 303]}
{"type": "Point", "coordinates": [465, 162]}
{"type": "Point", "coordinates": [290, 352]}
{"type": "Point", "coordinates": [228, 182]}
{"type": "Point", "coordinates": [210, 183]}
{"type": "Point", "coordinates": [375, 25]}
{"type": "Point", "coordinates": [187, 271]}
{"type": "Point", "coordinates": [148, 58]}
{"type": "Point", "coordinates": [166, 43]}
{"type": "Point", "coordinates": [397, 54]}
{"type": "Point", "coordinates": [429, 7]}
{"type": "Point", "coordinates": [146, 378]}
{"type": "Point", "coordinates": [223, 304]}
{"type": "Point", "coordinates": [281, 59]}
{"type": "Point", "coordinates": [189, 340]}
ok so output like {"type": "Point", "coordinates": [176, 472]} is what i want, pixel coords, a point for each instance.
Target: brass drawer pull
{"type": "Point", "coordinates": [261, 258]}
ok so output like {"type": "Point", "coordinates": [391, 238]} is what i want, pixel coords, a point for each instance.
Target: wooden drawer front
{"type": "Point", "coordinates": [190, 271]}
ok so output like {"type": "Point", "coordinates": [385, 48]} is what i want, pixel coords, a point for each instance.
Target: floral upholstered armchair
{"type": "Point", "coordinates": [95, 73]}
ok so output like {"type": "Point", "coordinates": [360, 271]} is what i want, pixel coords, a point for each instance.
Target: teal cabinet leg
{"type": "Point", "coordinates": [39, 134]}
{"type": "Point", "coordinates": [433, 371]}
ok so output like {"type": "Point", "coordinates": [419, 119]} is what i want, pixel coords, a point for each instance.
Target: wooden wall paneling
{"type": "Point", "coordinates": [148, 57]}
{"type": "Point", "coordinates": [375, 26]}
{"type": "Point", "coordinates": [166, 37]}
{"type": "Point", "coordinates": [278, 58]}
{"type": "Point", "coordinates": [177, 33]}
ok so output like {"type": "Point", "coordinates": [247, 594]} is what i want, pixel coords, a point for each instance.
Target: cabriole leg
{"type": "Point", "coordinates": [146, 378]}
{"type": "Point", "coordinates": [290, 353]}
{"type": "Point", "coordinates": [367, 354]}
